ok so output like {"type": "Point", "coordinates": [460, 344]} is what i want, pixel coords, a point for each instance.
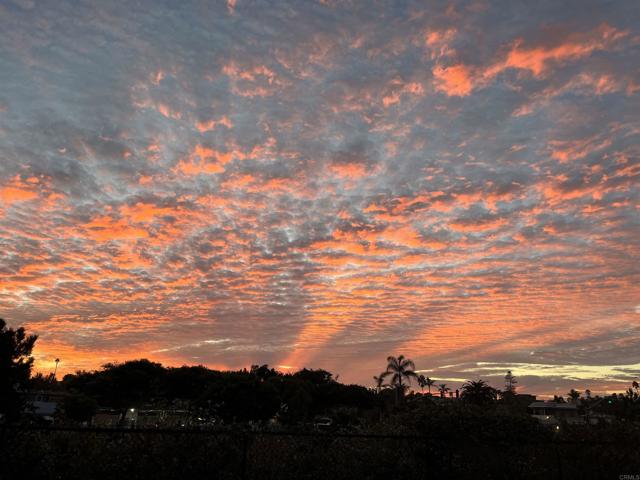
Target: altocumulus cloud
{"type": "Point", "coordinates": [325, 183]}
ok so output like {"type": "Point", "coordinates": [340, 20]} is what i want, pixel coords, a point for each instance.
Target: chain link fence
{"type": "Point", "coordinates": [90, 453]}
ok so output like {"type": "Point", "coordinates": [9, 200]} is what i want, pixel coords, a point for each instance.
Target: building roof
{"type": "Point", "coordinates": [554, 405]}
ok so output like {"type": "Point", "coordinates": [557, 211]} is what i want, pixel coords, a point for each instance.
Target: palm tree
{"type": "Point", "coordinates": [379, 382]}
{"type": "Point", "coordinates": [56, 369]}
{"type": "Point", "coordinates": [422, 381]}
{"type": "Point", "coordinates": [426, 382]}
{"type": "Point", "coordinates": [632, 392]}
{"type": "Point", "coordinates": [478, 392]}
{"type": "Point", "coordinates": [573, 395]}
{"type": "Point", "coordinates": [635, 386]}
{"type": "Point", "coordinates": [400, 369]}
{"type": "Point", "coordinates": [443, 389]}
{"type": "Point", "coordinates": [429, 382]}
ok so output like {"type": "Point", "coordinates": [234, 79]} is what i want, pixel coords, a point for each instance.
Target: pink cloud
{"type": "Point", "coordinates": [456, 80]}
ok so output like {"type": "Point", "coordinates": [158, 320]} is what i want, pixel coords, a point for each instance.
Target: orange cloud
{"type": "Point", "coordinates": [9, 195]}
{"type": "Point", "coordinates": [144, 212]}
{"type": "Point", "coordinates": [538, 59]}
{"type": "Point", "coordinates": [412, 88]}
{"type": "Point", "coordinates": [460, 79]}
{"type": "Point", "coordinates": [403, 236]}
{"type": "Point", "coordinates": [348, 170]}
{"type": "Point", "coordinates": [205, 160]}
{"type": "Point", "coordinates": [106, 228]}
{"type": "Point", "coordinates": [439, 40]}
{"type": "Point", "coordinates": [212, 124]}
{"type": "Point", "coordinates": [564, 151]}
{"type": "Point", "coordinates": [18, 191]}
{"type": "Point", "coordinates": [166, 111]}
{"type": "Point", "coordinates": [252, 81]}
{"type": "Point", "coordinates": [455, 80]}
{"type": "Point", "coordinates": [189, 168]}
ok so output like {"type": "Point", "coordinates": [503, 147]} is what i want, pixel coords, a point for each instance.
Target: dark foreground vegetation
{"type": "Point", "coordinates": [476, 447]}
{"type": "Point", "coordinates": [261, 423]}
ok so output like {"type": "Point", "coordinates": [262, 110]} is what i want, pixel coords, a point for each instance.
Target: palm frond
{"type": "Point", "coordinates": [406, 363]}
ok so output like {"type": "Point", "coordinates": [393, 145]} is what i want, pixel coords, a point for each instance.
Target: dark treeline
{"type": "Point", "coordinates": [258, 394]}
{"type": "Point", "coordinates": [263, 394]}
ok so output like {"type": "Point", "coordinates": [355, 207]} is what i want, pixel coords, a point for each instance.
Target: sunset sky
{"type": "Point", "coordinates": [324, 184]}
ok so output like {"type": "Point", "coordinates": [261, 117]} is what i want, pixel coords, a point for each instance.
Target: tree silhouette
{"type": "Point", "coordinates": [400, 369]}
{"type": "Point", "coordinates": [79, 407]}
{"type": "Point", "coordinates": [263, 372]}
{"type": "Point", "coordinates": [121, 385]}
{"type": "Point", "coordinates": [15, 368]}
{"type": "Point", "coordinates": [443, 389]}
{"type": "Point", "coordinates": [478, 392]}
{"type": "Point", "coordinates": [316, 377]}
{"type": "Point", "coordinates": [429, 382]}
{"type": "Point", "coordinates": [573, 395]}
{"type": "Point", "coordinates": [42, 382]}
{"type": "Point", "coordinates": [422, 382]}
{"type": "Point", "coordinates": [633, 393]}
{"type": "Point", "coordinates": [379, 382]}
{"type": "Point", "coordinates": [510, 383]}
{"type": "Point", "coordinates": [426, 382]}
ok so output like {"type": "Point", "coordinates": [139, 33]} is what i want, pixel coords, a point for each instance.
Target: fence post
{"type": "Point", "coordinates": [245, 448]}
{"type": "Point", "coordinates": [559, 462]}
